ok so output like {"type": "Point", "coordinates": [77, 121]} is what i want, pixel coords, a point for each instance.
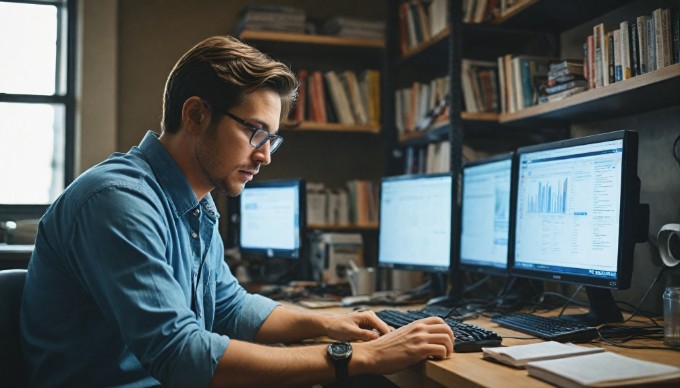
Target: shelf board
{"type": "Point", "coordinates": [490, 117]}
{"type": "Point", "coordinates": [371, 226]}
{"type": "Point", "coordinates": [325, 40]}
{"type": "Point", "coordinates": [644, 93]}
{"type": "Point", "coordinates": [328, 127]}
{"type": "Point", "coordinates": [555, 15]}
{"type": "Point", "coordinates": [438, 39]}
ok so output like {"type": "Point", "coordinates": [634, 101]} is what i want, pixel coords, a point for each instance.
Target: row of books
{"type": "Point", "coordinates": [345, 97]}
{"type": "Point", "coordinates": [479, 11]}
{"type": "Point", "coordinates": [633, 47]}
{"type": "Point", "coordinates": [355, 204]}
{"type": "Point", "coordinates": [435, 157]}
{"type": "Point", "coordinates": [419, 21]}
{"type": "Point", "coordinates": [479, 80]}
{"type": "Point", "coordinates": [421, 105]}
{"type": "Point", "coordinates": [523, 79]}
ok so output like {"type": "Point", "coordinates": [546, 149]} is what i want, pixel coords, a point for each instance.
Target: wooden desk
{"type": "Point", "coordinates": [470, 370]}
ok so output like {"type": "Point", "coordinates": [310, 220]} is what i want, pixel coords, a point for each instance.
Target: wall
{"type": "Point", "coordinates": [97, 82]}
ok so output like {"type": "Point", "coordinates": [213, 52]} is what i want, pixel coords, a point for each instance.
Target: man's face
{"type": "Point", "coordinates": [224, 154]}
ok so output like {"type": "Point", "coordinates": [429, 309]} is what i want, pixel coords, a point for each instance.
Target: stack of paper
{"type": "Point", "coordinates": [604, 369]}
{"type": "Point", "coordinates": [518, 356]}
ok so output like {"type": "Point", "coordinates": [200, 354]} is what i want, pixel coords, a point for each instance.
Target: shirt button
{"type": "Point", "coordinates": [200, 315]}
{"type": "Point", "coordinates": [195, 275]}
{"type": "Point", "coordinates": [194, 235]}
{"type": "Point", "coordinates": [197, 212]}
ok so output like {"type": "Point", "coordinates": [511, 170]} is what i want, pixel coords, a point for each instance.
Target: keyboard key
{"type": "Point", "coordinates": [554, 329]}
{"type": "Point", "coordinates": [467, 337]}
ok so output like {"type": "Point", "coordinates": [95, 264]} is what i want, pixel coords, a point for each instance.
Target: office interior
{"type": "Point", "coordinates": [127, 47]}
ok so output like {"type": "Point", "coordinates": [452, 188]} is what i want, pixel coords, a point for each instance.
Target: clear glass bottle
{"type": "Point", "coordinates": [671, 316]}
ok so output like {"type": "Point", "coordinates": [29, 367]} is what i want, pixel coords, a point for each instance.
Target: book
{"type": "Point", "coordinates": [566, 86]}
{"type": "Point", "coordinates": [676, 37]}
{"type": "Point", "coordinates": [634, 49]}
{"type": "Point", "coordinates": [606, 369]}
{"type": "Point", "coordinates": [642, 43]}
{"type": "Point", "coordinates": [520, 355]}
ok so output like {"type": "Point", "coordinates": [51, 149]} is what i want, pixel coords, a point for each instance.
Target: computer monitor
{"type": "Point", "coordinates": [415, 223]}
{"type": "Point", "coordinates": [577, 207]}
{"type": "Point", "coordinates": [272, 218]}
{"type": "Point", "coordinates": [485, 215]}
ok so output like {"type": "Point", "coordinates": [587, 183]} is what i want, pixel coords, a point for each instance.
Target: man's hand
{"type": "Point", "coordinates": [406, 346]}
{"type": "Point", "coordinates": [364, 326]}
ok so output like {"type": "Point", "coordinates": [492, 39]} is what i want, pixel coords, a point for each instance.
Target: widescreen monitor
{"type": "Point", "coordinates": [577, 206]}
{"type": "Point", "coordinates": [485, 215]}
{"type": "Point", "coordinates": [272, 218]}
{"type": "Point", "coordinates": [415, 223]}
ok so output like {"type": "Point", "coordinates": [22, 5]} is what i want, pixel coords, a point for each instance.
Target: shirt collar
{"type": "Point", "coordinates": [171, 178]}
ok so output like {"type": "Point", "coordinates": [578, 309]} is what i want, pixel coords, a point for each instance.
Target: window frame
{"type": "Point", "coordinates": [65, 89]}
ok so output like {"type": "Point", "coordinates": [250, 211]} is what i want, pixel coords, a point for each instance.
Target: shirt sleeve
{"type": "Point", "coordinates": [238, 313]}
{"type": "Point", "coordinates": [118, 249]}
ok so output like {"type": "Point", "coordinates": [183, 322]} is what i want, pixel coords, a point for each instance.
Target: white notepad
{"type": "Point", "coordinates": [519, 355]}
{"type": "Point", "coordinates": [604, 369]}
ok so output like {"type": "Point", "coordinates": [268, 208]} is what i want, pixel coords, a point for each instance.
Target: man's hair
{"type": "Point", "coordinates": [221, 70]}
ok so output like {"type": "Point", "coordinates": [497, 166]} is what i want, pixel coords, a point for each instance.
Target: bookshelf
{"type": "Point", "coordinates": [333, 144]}
{"type": "Point", "coordinates": [537, 27]}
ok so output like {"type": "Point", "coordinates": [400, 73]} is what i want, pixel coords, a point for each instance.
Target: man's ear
{"type": "Point", "coordinates": [195, 115]}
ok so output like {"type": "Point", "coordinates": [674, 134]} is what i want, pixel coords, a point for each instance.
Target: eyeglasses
{"type": "Point", "coordinates": [259, 135]}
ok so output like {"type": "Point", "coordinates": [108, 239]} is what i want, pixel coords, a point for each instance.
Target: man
{"type": "Point", "coordinates": [127, 284]}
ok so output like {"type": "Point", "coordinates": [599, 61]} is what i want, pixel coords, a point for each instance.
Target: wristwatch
{"type": "Point", "coordinates": [340, 353]}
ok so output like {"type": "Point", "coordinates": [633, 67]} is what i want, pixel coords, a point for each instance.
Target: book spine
{"type": "Point", "coordinates": [634, 49]}
{"type": "Point", "coordinates": [651, 45]}
{"type": "Point", "coordinates": [584, 53]}
{"type": "Point", "coordinates": [591, 63]}
{"type": "Point", "coordinates": [611, 59]}
{"type": "Point", "coordinates": [676, 37]}
{"type": "Point", "coordinates": [658, 38]}
{"type": "Point", "coordinates": [642, 43]}
{"type": "Point", "coordinates": [666, 34]}
{"type": "Point", "coordinates": [625, 51]}
{"type": "Point", "coordinates": [599, 40]}
{"type": "Point", "coordinates": [618, 66]}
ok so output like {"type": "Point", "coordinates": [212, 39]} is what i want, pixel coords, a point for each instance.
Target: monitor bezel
{"type": "Point", "coordinates": [628, 208]}
{"type": "Point", "coordinates": [480, 268]}
{"type": "Point", "coordinates": [414, 267]}
{"type": "Point", "coordinates": [269, 253]}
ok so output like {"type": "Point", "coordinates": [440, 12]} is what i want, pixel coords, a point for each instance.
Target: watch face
{"type": "Point", "coordinates": [340, 349]}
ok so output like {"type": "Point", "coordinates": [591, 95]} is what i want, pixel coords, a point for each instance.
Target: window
{"type": "Point", "coordinates": [36, 101]}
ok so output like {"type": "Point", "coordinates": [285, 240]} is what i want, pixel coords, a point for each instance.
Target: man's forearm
{"type": "Point", "coordinates": [285, 326]}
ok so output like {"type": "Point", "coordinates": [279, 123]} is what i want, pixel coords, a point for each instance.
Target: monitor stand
{"type": "Point", "coordinates": [440, 295]}
{"type": "Point", "coordinates": [603, 309]}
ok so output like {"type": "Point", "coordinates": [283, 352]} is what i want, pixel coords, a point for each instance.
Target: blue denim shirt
{"type": "Point", "coordinates": [128, 285]}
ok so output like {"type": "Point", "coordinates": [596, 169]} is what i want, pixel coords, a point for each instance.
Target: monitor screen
{"type": "Point", "coordinates": [576, 209]}
{"type": "Point", "coordinates": [272, 218]}
{"type": "Point", "coordinates": [485, 215]}
{"type": "Point", "coordinates": [415, 223]}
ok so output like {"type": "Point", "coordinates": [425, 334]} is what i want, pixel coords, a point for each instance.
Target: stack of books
{"type": "Point", "coordinates": [565, 78]}
{"type": "Point", "coordinates": [355, 28]}
{"type": "Point", "coordinates": [269, 17]}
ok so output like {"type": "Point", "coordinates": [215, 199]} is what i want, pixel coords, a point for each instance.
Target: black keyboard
{"type": "Point", "coordinates": [468, 337]}
{"type": "Point", "coordinates": [554, 329]}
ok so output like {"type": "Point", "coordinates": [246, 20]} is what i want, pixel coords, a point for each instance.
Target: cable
{"type": "Point", "coordinates": [570, 300]}
{"type": "Point", "coordinates": [637, 308]}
